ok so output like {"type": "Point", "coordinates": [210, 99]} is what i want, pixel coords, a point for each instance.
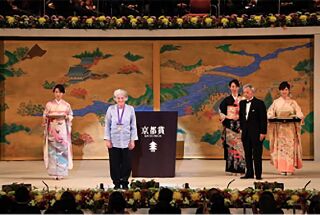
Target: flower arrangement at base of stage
{"type": "Point", "coordinates": [144, 194]}
{"type": "Point", "coordinates": [162, 22]}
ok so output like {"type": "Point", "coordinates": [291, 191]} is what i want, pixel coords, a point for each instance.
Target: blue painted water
{"type": "Point", "coordinates": [201, 90]}
{"type": "Point", "coordinates": [255, 65]}
{"type": "Point", "coordinates": [99, 108]}
{"type": "Point", "coordinates": [197, 93]}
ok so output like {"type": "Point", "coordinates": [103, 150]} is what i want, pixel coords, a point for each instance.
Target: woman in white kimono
{"type": "Point", "coordinates": [57, 119]}
{"type": "Point", "coordinates": [285, 137]}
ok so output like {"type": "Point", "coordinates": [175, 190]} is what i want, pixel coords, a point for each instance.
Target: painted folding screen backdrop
{"type": "Point", "coordinates": [194, 80]}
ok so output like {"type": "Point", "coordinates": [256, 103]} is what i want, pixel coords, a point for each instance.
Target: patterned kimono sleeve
{"type": "Point", "coordinates": [46, 110]}
{"type": "Point", "coordinates": [272, 111]}
{"type": "Point", "coordinates": [45, 113]}
{"type": "Point", "coordinates": [298, 110]}
{"type": "Point", "coordinates": [70, 113]}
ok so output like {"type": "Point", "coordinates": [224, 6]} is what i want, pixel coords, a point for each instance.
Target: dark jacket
{"type": "Point", "coordinates": [256, 123]}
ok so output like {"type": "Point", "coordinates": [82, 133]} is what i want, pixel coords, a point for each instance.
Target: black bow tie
{"type": "Point", "coordinates": [249, 101]}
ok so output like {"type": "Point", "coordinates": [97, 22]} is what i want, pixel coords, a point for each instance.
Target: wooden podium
{"type": "Point", "coordinates": [155, 151]}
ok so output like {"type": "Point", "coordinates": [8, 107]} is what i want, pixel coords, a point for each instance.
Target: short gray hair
{"type": "Point", "coordinates": [250, 86]}
{"type": "Point", "coordinates": [120, 92]}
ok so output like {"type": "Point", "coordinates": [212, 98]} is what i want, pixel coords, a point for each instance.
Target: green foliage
{"type": "Point", "coordinates": [169, 47]}
{"type": "Point", "coordinates": [305, 66]}
{"type": "Point", "coordinates": [308, 123]}
{"type": "Point", "coordinates": [48, 85]}
{"type": "Point", "coordinates": [96, 53]}
{"type": "Point", "coordinates": [226, 48]}
{"type": "Point", "coordinates": [75, 135]}
{"type": "Point", "coordinates": [101, 119]}
{"type": "Point", "coordinates": [180, 131]}
{"type": "Point", "coordinates": [136, 184]}
{"type": "Point", "coordinates": [5, 73]}
{"type": "Point", "coordinates": [132, 57]}
{"type": "Point", "coordinates": [7, 129]}
{"type": "Point", "coordinates": [21, 52]}
{"type": "Point", "coordinates": [75, 139]}
{"type": "Point", "coordinates": [266, 144]}
{"type": "Point", "coordinates": [12, 58]}
{"type": "Point", "coordinates": [174, 92]}
{"type": "Point", "coordinates": [212, 139]}
{"type": "Point", "coordinates": [30, 109]}
{"type": "Point", "coordinates": [18, 72]}
{"type": "Point", "coordinates": [268, 99]}
{"type": "Point", "coordinates": [5, 69]}
{"type": "Point", "coordinates": [191, 67]}
{"type": "Point", "coordinates": [145, 99]}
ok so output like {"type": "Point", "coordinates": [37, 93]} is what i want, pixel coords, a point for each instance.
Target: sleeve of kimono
{"type": "Point", "coordinates": [70, 113]}
{"type": "Point", "coordinates": [223, 109]}
{"type": "Point", "coordinates": [107, 125]}
{"type": "Point", "coordinates": [45, 120]}
{"type": "Point", "coordinates": [298, 111]}
{"type": "Point", "coordinates": [133, 125]}
{"type": "Point", "coordinates": [46, 110]}
{"type": "Point", "coordinates": [272, 111]}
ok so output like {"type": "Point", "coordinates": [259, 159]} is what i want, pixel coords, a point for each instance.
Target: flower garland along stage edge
{"type": "Point", "coordinates": [97, 199]}
{"type": "Point", "coordinates": [162, 22]}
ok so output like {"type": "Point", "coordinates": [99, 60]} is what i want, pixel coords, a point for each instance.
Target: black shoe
{"type": "Point", "coordinates": [125, 186]}
{"type": "Point", "coordinates": [246, 177]}
{"type": "Point", "coordinates": [116, 187]}
{"type": "Point", "coordinates": [258, 178]}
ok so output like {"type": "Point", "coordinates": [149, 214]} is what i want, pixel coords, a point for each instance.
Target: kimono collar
{"type": "Point", "coordinates": [58, 101]}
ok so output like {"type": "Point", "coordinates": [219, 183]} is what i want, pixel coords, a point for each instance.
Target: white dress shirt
{"type": "Point", "coordinates": [248, 105]}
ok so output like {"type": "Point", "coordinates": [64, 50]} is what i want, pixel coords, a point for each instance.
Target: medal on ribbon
{"type": "Point", "coordinates": [119, 123]}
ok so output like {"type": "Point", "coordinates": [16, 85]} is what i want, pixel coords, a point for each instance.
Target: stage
{"type": "Point", "coordinates": [198, 173]}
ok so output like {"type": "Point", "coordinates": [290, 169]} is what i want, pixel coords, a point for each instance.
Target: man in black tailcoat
{"type": "Point", "coordinates": [253, 124]}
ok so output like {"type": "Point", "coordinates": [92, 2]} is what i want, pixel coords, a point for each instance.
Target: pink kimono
{"type": "Point", "coordinates": [57, 148]}
{"type": "Point", "coordinates": [285, 138]}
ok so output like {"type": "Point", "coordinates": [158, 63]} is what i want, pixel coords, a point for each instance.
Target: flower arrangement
{"type": "Point", "coordinates": [162, 22]}
{"type": "Point", "coordinates": [135, 184]}
{"type": "Point", "coordinates": [144, 194]}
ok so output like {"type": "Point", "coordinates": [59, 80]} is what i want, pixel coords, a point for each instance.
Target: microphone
{"type": "Point", "coordinates": [230, 183]}
{"type": "Point", "coordinates": [305, 186]}
{"type": "Point", "coordinates": [47, 186]}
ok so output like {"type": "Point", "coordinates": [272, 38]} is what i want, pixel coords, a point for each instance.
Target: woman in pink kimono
{"type": "Point", "coordinates": [57, 119]}
{"type": "Point", "coordinates": [285, 137]}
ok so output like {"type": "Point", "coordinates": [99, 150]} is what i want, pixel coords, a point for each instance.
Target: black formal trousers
{"type": "Point", "coordinates": [120, 165]}
{"type": "Point", "coordinates": [252, 126]}
{"type": "Point", "coordinates": [253, 148]}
